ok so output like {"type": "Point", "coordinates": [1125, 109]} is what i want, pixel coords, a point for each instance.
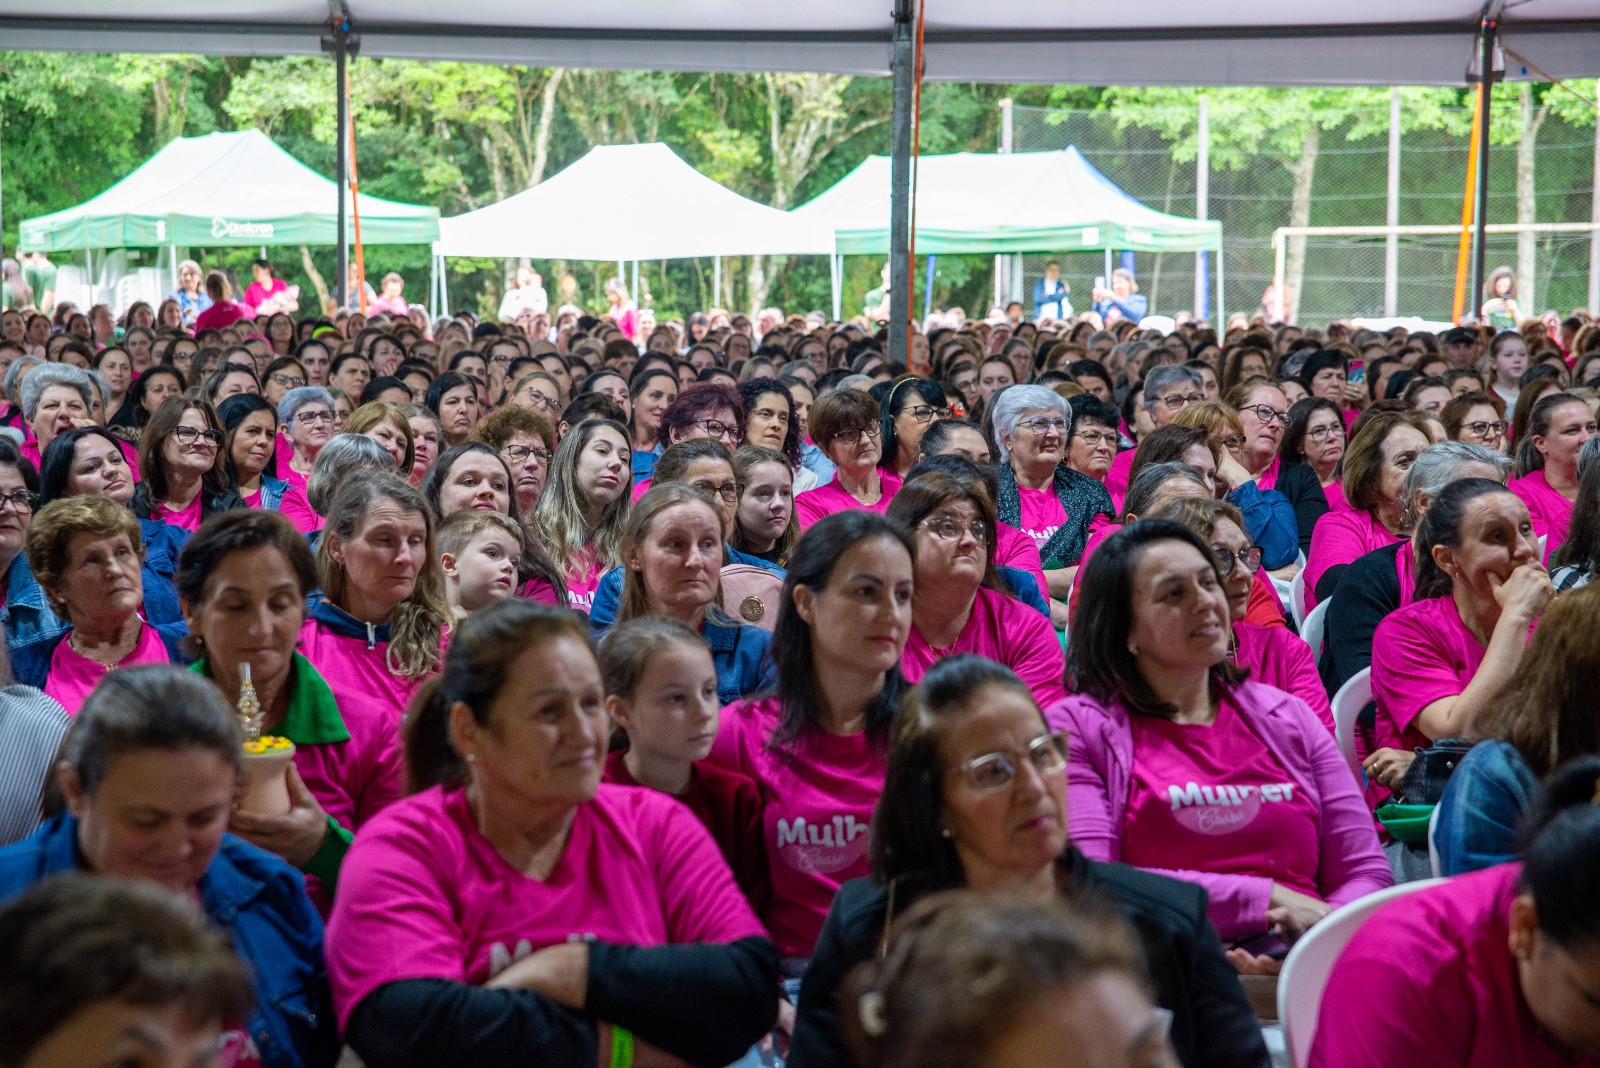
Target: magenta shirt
{"type": "Point", "coordinates": [582, 585]}
{"type": "Point", "coordinates": [1420, 654]}
{"type": "Point", "coordinates": [1429, 979]}
{"type": "Point", "coordinates": [424, 895]}
{"type": "Point", "coordinates": [1117, 478]}
{"type": "Point", "coordinates": [1268, 478]}
{"type": "Point", "coordinates": [1550, 511]}
{"type": "Point", "coordinates": [1277, 658]}
{"type": "Point", "coordinates": [1215, 798]}
{"type": "Point", "coordinates": [186, 518]}
{"type": "Point", "coordinates": [1339, 538]}
{"type": "Point", "coordinates": [1013, 548]}
{"type": "Point", "coordinates": [1003, 629]}
{"type": "Point", "coordinates": [817, 801]}
{"type": "Point", "coordinates": [831, 497]}
{"type": "Point", "coordinates": [357, 670]}
{"type": "Point", "coordinates": [74, 676]}
{"type": "Point", "coordinates": [296, 508]}
{"type": "Point", "coordinates": [1336, 499]}
{"type": "Point", "coordinates": [1100, 767]}
{"type": "Point", "coordinates": [1041, 515]}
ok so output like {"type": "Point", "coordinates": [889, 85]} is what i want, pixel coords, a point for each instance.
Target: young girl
{"type": "Point", "coordinates": [480, 552]}
{"type": "Point", "coordinates": [661, 689]}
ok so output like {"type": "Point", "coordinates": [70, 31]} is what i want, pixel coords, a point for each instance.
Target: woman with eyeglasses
{"type": "Point", "coordinates": [29, 624]}
{"type": "Point", "coordinates": [1385, 446]}
{"type": "Point", "coordinates": [912, 406]}
{"type": "Point", "coordinates": [1264, 411]}
{"type": "Point", "coordinates": [1316, 438]}
{"type": "Point", "coordinates": [282, 375]}
{"type": "Point", "coordinates": [703, 410]}
{"type": "Point", "coordinates": [306, 420]}
{"type": "Point", "coordinates": [960, 605]}
{"type": "Point", "coordinates": [185, 466]}
{"type": "Point", "coordinates": [1181, 766]}
{"type": "Point", "coordinates": [847, 426]}
{"type": "Point", "coordinates": [537, 391]}
{"type": "Point", "coordinates": [975, 797]}
{"type": "Point", "coordinates": [525, 439]}
{"type": "Point", "coordinates": [1477, 418]}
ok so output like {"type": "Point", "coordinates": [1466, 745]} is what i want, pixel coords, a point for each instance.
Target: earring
{"type": "Point", "coordinates": [945, 831]}
{"type": "Point", "coordinates": [1134, 649]}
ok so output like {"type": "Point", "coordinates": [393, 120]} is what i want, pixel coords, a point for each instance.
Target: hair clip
{"type": "Point", "coordinates": [870, 1009]}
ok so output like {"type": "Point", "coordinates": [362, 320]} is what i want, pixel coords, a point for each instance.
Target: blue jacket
{"type": "Point", "coordinates": [163, 543]}
{"type": "Point", "coordinates": [742, 656]}
{"type": "Point", "coordinates": [1270, 521]}
{"type": "Point", "coordinates": [1046, 293]}
{"type": "Point", "coordinates": [261, 902]}
{"type": "Point", "coordinates": [32, 667]}
{"type": "Point", "coordinates": [1481, 811]}
{"type": "Point", "coordinates": [1025, 588]}
{"type": "Point", "coordinates": [29, 623]}
{"type": "Point", "coordinates": [816, 461]}
{"type": "Point", "coordinates": [644, 463]}
{"type": "Point", "coordinates": [272, 491]}
{"type": "Point", "coordinates": [1136, 306]}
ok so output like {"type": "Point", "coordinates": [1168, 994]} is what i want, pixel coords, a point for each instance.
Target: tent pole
{"type": "Point", "coordinates": [172, 258]}
{"type": "Point", "coordinates": [433, 282]}
{"type": "Point", "coordinates": [927, 288]}
{"type": "Point", "coordinates": [716, 281]}
{"type": "Point", "coordinates": [341, 52]}
{"type": "Point", "coordinates": [836, 284]}
{"type": "Point", "coordinates": [1480, 247]}
{"type": "Point", "coordinates": [1202, 202]}
{"type": "Point", "coordinates": [901, 66]}
{"type": "Point", "coordinates": [634, 288]}
{"type": "Point", "coordinates": [1219, 318]}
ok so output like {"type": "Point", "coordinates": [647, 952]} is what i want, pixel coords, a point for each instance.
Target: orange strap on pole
{"type": "Point", "coordinates": [917, 367]}
{"type": "Point", "coordinates": [1468, 200]}
{"type": "Point", "coordinates": [355, 202]}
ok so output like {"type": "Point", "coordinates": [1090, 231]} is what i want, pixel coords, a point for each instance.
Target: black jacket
{"type": "Point", "coordinates": [1299, 483]}
{"type": "Point", "coordinates": [1213, 1024]}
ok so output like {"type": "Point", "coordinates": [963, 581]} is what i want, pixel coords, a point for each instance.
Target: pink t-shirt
{"type": "Point", "coordinates": [1339, 538]}
{"type": "Point", "coordinates": [423, 894]}
{"type": "Point", "coordinates": [1041, 515]}
{"type": "Point", "coordinates": [1550, 511]}
{"type": "Point", "coordinates": [1214, 798]}
{"type": "Point", "coordinates": [74, 676]}
{"type": "Point", "coordinates": [357, 670]}
{"type": "Point", "coordinates": [1268, 478]}
{"type": "Point", "coordinates": [1335, 495]}
{"type": "Point", "coordinates": [831, 497]}
{"type": "Point", "coordinates": [296, 508]}
{"type": "Point", "coordinates": [582, 584]}
{"type": "Point", "coordinates": [1013, 548]}
{"type": "Point", "coordinates": [1117, 478]}
{"type": "Point", "coordinates": [1278, 658]}
{"type": "Point", "coordinates": [1420, 654]}
{"type": "Point", "coordinates": [1003, 629]}
{"type": "Point", "coordinates": [186, 518]}
{"type": "Point", "coordinates": [537, 589]}
{"type": "Point", "coordinates": [1429, 979]}
{"type": "Point", "coordinates": [817, 799]}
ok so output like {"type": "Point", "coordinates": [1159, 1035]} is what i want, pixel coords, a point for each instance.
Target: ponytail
{"type": "Point", "coordinates": [1561, 854]}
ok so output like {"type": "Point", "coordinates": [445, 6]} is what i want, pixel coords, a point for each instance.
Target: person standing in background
{"type": "Point", "coordinates": [40, 274]}
{"type": "Point", "coordinates": [876, 304]}
{"type": "Point", "coordinates": [1122, 300]}
{"type": "Point", "coordinates": [1050, 294]}
{"type": "Point", "coordinates": [526, 296]}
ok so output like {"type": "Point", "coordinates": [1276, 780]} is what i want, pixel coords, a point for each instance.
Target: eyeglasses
{"type": "Point", "coordinates": [312, 418]}
{"type": "Point", "coordinates": [538, 400]}
{"type": "Point", "coordinates": [1041, 424]}
{"type": "Point", "coordinates": [1267, 413]}
{"type": "Point", "coordinates": [715, 428]}
{"type": "Point", "coordinates": [1336, 430]}
{"type": "Point", "coordinates": [728, 491]}
{"type": "Point", "coordinates": [1250, 559]}
{"type": "Point", "coordinates": [21, 500]}
{"type": "Point", "coordinates": [287, 381]}
{"type": "Point", "coordinates": [188, 435]}
{"type": "Point", "coordinates": [949, 528]}
{"type": "Point", "coordinates": [1093, 438]}
{"type": "Point", "coordinates": [502, 358]}
{"type": "Point", "coordinates": [519, 454]}
{"type": "Point", "coordinates": [1180, 400]}
{"type": "Point", "coordinates": [1483, 430]}
{"type": "Point", "coordinates": [853, 437]}
{"type": "Point", "coordinates": [993, 772]}
{"type": "Point", "coordinates": [924, 413]}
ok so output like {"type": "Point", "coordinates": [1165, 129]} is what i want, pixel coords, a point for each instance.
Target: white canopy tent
{"type": "Point", "coordinates": [631, 202]}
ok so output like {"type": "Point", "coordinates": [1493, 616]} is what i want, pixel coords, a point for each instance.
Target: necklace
{"type": "Point", "coordinates": [122, 650]}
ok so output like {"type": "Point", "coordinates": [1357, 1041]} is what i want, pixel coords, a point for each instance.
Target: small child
{"type": "Point", "coordinates": [480, 552]}
{"type": "Point", "coordinates": [661, 688]}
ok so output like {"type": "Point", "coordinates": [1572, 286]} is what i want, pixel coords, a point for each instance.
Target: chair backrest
{"type": "Point", "coordinates": [1306, 969]}
{"type": "Point", "coordinates": [1435, 865]}
{"type": "Point", "coordinates": [1297, 597]}
{"type": "Point", "coordinates": [1315, 623]}
{"type": "Point", "coordinates": [1347, 705]}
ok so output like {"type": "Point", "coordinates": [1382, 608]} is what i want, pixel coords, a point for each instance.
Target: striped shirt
{"type": "Point", "coordinates": [31, 728]}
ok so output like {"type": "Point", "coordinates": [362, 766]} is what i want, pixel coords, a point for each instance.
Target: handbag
{"type": "Point", "coordinates": [751, 595]}
{"type": "Point", "coordinates": [1424, 782]}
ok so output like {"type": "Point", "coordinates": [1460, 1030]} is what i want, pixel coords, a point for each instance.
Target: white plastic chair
{"type": "Point", "coordinates": [1435, 865]}
{"type": "Point", "coordinates": [1311, 630]}
{"type": "Point", "coordinates": [1297, 597]}
{"type": "Point", "coordinates": [1347, 705]}
{"type": "Point", "coordinates": [1306, 968]}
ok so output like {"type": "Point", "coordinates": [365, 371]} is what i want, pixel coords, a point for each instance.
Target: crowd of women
{"type": "Point", "coordinates": [730, 693]}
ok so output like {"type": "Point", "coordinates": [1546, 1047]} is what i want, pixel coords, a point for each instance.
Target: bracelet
{"type": "Point", "coordinates": [621, 1047]}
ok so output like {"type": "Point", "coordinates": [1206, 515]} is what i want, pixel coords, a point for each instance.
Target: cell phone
{"type": "Point", "coordinates": [1358, 375]}
{"type": "Point", "coordinates": [1099, 281]}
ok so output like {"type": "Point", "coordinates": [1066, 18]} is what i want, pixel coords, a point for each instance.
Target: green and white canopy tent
{"type": "Point", "coordinates": [223, 189]}
{"type": "Point", "coordinates": [1007, 202]}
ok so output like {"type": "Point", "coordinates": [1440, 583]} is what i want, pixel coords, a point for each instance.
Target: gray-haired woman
{"type": "Point", "coordinates": [1039, 493]}
{"type": "Point", "coordinates": [343, 456]}
{"type": "Point", "coordinates": [306, 421]}
{"type": "Point", "coordinates": [55, 398]}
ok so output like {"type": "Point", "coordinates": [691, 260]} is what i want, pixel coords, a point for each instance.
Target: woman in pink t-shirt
{"type": "Point", "coordinates": [1485, 970]}
{"type": "Point", "coordinates": [1439, 660]}
{"type": "Point", "coordinates": [185, 471]}
{"type": "Point", "coordinates": [847, 426]}
{"type": "Point", "coordinates": [961, 605]}
{"type": "Point", "coordinates": [85, 553]}
{"type": "Point", "coordinates": [584, 506]}
{"type": "Point", "coordinates": [1178, 767]}
{"type": "Point", "coordinates": [816, 748]}
{"type": "Point", "coordinates": [1547, 464]}
{"type": "Point", "coordinates": [378, 632]}
{"type": "Point", "coordinates": [518, 910]}
{"type": "Point", "coordinates": [1375, 467]}
{"type": "Point", "coordinates": [306, 420]}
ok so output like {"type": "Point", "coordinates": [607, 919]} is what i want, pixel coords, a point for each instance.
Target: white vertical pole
{"type": "Point", "coordinates": [836, 282]}
{"type": "Point", "coordinates": [634, 288]}
{"type": "Point", "coordinates": [1594, 214]}
{"type": "Point", "coordinates": [1391, 244]}
{"type": "Point", "coordinates": [172, 257]}
{"type": "Point", "coordinates": [622, 270]}
{"type": "Point", "coordinates": [93, 289]}
{"type": "Point", "coordinates": [716, 281]}
{"type": "Point", "coordinates": [1004, 286]}
{"type": "Point", "coordinates": [1277, 269]}
{"type": "Point", "coordinates": [1202, 195]}
{"type": "Point", "coordinates": [1219, 314]}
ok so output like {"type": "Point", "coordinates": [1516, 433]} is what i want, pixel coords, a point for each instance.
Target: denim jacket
{"type": "Point", "coordinates": [260, 901]}
{"type": "Point", "coordinates": [272, 490]}
{"type": "Point", "coordinates": [29, 623]}
{"type": "Point", "coordinates": [163, 543]}
{"type": "Point", "coordinates": [608, 595]}
{"type": "Point", "coordinates": [1270, 522]}
{"type": "Point", "coordinates": [1482, 807]}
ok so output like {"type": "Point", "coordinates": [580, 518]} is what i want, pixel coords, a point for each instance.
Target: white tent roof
{"type": "Point", "coordinates": [630, 202]}
{"type": "Point", "coordinates": [1081, 42]}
